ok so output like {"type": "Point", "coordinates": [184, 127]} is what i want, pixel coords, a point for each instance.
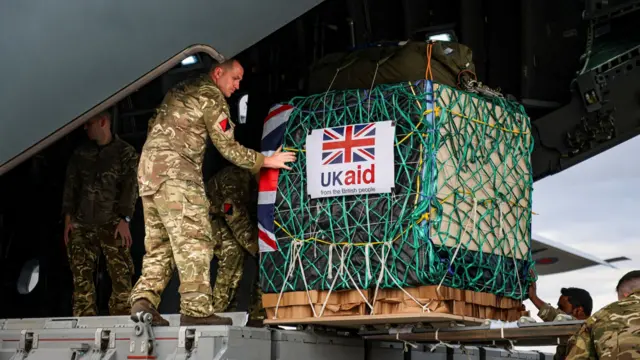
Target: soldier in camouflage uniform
{"type": "Point", "coordinates": [176, 208]}
{"type": "Point", "coordinates": [99, 199]}
{"type": "Point", "coordinates": [574, 302]}
{"type": "Point", "coordinates": [233, 193]}
{"type": "Point", "coordinates": [614, 331]}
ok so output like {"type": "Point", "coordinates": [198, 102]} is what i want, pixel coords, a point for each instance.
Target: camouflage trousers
{"type": "Point", "coordinates": [256, 310]}
{"type": "Point", "coordinates": [84, 247]}
{"type": "Point", "coordinates": [231, 256]}
{"type": "Point", "coordinates": [178, 234]}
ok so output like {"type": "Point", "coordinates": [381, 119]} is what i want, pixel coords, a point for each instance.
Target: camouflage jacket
{"type": "Point", "coordinates": [611, 333]}
{"type": "Point", "coordinates": [177, 136]}
{"type": "Point", "coordinates": [101, 183]}
{"type": "Point", "coordinates": [548, 313]}
{"type": "Point", "coordinates": [233, 193]}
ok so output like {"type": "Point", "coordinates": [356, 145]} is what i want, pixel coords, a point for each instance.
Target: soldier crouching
{"type": "Point", "coordinates": [233, 194]}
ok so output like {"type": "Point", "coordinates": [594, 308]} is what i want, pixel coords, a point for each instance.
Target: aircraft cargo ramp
{"type": "Point", "coordinates": [110, 338]}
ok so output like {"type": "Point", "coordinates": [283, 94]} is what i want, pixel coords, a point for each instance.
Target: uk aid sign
{"type": "Point", "coordinates": [351, 160]}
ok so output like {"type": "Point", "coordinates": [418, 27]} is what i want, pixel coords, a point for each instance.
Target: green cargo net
{"type": "Point", "coordinates": [459, 215]}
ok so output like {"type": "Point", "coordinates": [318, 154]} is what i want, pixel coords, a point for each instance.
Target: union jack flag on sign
{"type": "Point", "coordinates": [349, 144]}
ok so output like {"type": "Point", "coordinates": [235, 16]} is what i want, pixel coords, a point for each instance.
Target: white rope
{"type": "Point", "coordinates": [406, 343]}
{"type": "Point", "coordinates": [367, 261]}
{"type": "Point", "coordinates": [294, 251]}
{"type": "Point", "coordinates": [383, 267]}
{"type": "Point", "coordinates": [515, 263]}
{"type": "Point", "coordinates": [383, 262]}
{"type": "Point", "coordinates": [385, 250]}
{"type": "Point", "coordinates": [304, 280]}
{"type": "Point", "coordinates": [353, 281]}
{"type": "Point", "coordinates": [503, 338]}
{"type": "Point", "coordinates": [440, 342]}
{"type": "Point", "coordinates": [333, 283]}
{"type": "Point", "coordinates": [342, 270]}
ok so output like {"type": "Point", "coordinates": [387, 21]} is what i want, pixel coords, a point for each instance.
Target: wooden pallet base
{"type": "Point", "coordinates": [348, 308]}
{"type": "Point", "coordinates": [434, 319]}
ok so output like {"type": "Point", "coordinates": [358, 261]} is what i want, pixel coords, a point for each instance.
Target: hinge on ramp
{"type": "Point", "coordinates": [143, 330]}
{"type": "Point", "coordinates": [104, 344]}
{"type": "Point", "coordinates": [28, 342]}
{"type": "Point", "coordinates": [187, 342]}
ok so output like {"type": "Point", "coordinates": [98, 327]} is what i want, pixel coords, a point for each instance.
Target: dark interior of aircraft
{"type": "Point", "coordinates": [534, 51]}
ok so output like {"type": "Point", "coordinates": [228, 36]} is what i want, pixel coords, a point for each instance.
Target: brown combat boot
{"type": "Point", "coordinates": [214, 319]}
{"type": "Point", "coordinates": [144, 306]}
{"type": "Point", "coordinates": [258, 323]}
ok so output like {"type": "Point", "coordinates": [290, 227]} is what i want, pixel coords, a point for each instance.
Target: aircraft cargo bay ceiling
{"type": "Point", "coordinates": [572, 64]}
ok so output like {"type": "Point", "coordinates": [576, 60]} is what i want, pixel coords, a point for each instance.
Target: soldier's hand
{"type": "Point", "coordinates": [279, 159]}
{"type": "Point", "coordinates": [125, 234]}
{"type": "Point", "coordinates": [68, 228]}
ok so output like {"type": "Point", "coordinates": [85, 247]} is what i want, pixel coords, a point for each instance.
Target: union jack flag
{"type": "Point", "coordinates": [272, 137]}
{"type": "Point", "coordinates": [347, 144]}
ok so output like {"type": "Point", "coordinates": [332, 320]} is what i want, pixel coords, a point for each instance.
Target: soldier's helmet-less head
{"type": "Point", "coordinates": [575, 302]}
{"type": "Point", "coordinates": [99, 126]}
{"type": "Point", "coordinates": [227, 76]}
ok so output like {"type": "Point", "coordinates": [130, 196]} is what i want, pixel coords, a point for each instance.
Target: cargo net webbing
{"type": "Point", "coordinates": [459, 215]}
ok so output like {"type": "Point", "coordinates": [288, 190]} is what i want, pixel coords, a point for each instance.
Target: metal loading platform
{"type": "Point", "coordinates": [117, 337]}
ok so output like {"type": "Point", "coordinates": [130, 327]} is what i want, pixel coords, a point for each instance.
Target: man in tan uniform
{"type": "Point", "coordinates": [613, 332]}
{"type": "Point", "coordinates": [176, 209]}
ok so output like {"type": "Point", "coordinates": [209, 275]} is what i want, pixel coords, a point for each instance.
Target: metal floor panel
{"type": "Point", "coordinates": [114, 338]}
{"type": "Point", "coordinates": [295, 345]}
{"type": "Point", "coordinates": [93, 322]}
{"type": "Point", "coordinates": [200, 342]}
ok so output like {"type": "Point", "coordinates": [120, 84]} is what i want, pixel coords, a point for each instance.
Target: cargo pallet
{"type": "Point", "coordinates": [117, 337]}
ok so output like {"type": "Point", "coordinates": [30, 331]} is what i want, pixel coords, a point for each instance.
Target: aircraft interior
{"type": "Point", "coordinates": [546, 54]}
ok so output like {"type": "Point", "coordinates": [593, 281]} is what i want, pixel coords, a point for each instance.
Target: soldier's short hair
{"type": "Point", "coordinates": [579, 298]}
{"type": "Point", "coordinates": [630, 282]}
{"type": "Point", "coordinates": [103, 114]}
{"type": "Point", "coordinates": [227, 64]}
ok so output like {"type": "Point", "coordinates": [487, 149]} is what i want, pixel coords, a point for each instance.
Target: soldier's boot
{"type": "Point", "coordinates": [255, 323]}
{"type": "Point", "coordinates": [144, 306]}
{"type": "Point", "coordinates": [214, 319]}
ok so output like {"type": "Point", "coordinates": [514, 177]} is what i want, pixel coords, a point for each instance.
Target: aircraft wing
{"type": "Point", "coordinates": [552, 257]}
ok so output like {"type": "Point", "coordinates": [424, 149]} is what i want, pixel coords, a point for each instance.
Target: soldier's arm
{"type": "Point", "coordinates": [547, 312]}
{"type": "Point", "coordinates": [580, 346]}
{"type": "Point", "coordinates": [237, 216]}
{"type": "Point", "coordinates": [71, 184]}
{"type": "Point", "coordinates": [128, 182]}
{"type": "Point", "coordinates": [217, 120]}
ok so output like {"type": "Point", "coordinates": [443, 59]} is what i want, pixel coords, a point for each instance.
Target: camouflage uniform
{"type": "Point", "coordinates": [548, 313]}
{"type": "Point", "coordinates": [176, 208]}
{"type": "Point", "coordinates": [611, 333]}
{"type": "Point", "coordinates": [100, 188]}
{"type": "Point", "coordinates": [233, 194]}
